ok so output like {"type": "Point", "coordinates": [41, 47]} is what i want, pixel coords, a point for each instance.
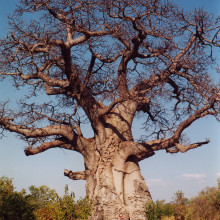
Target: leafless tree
{"type": "Point", "coordinates": [104, 63]}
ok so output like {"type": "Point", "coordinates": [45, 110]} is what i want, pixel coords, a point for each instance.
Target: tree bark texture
{"type": "Point", "coordinates": [115, 183]}
{"type": "Point", "coordinates": [113, 177]}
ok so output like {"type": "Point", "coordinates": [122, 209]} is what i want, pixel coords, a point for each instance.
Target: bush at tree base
{"type": "Point", "coordinates": [43, 203]}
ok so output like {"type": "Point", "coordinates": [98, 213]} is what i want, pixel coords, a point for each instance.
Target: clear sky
{"type": "Point", "coordinates": [164, 173]}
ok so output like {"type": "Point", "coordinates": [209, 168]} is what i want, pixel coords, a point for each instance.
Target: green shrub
{"type": "Point", "coordinates": [205, 206]}
{"type": "Point", "coordinates": [42, 203]}
{"type": "Point", "coordinates": [156, 210]}
{"type": "Point", "coordinates": [61, 208]}
{"type": "Point", "coordinates": [14, 205]}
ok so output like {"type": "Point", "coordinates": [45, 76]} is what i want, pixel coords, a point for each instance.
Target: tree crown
{"type": "Point", "coordinates": [98, 58]}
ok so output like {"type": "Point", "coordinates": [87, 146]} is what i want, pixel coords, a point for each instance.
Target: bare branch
{"type": "Point", "coordinates": [107, 60]}
{"type": "Point", "coordinates": [197, 115]}
{"type": "Point", "coordinates": [81, 175]}
{"type": "Point", "coordinates": [63, 130]}
{"type": "Point", "coordinates": [46, 146]}
{"type": "Point", "coordinates": [181, 148]}
{"type": "Point", "coordinates": [103, 62]}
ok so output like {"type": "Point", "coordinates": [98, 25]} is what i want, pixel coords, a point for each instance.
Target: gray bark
{"type": "Point", "coordinates": [116, 185]}
{"type": "Point", "coordinates": [114, 181]}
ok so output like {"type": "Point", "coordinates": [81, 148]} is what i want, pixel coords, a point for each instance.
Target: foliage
{"type": "Point", "coordinates": [14, 205]}
{"type": "Point", "coordinates": [42, 195]}
{"type": "Point", "coordinates": [156, 210]}
{"type": "Point", "coordinates": [42, 203]}
{"type": "Point", "coordinates": [51, 206]}
{"type": "Point", "coordinates": [205, 206]}
{"type": "Point", "coordinates": [180, 203]}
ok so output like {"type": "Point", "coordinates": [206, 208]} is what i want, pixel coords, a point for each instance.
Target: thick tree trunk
{"type": "Point", "coordinates": [115, 183]}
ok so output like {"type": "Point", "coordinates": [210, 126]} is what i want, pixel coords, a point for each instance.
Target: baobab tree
{"type": "Point", "coordinates": [105, 63]}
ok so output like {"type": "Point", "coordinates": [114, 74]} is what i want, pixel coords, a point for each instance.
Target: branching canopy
{"type": "Point", "coordinates": [91, 57]}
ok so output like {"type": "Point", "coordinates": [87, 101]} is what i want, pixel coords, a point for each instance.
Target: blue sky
{"type": "Point", "coordinates": [164, 173]}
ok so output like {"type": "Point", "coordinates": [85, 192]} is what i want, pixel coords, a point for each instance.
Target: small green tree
{"type": "Point", "coordinates": [42, 203]}
{"type": "Point", "coordinates": [42, 195]}
{"type": "Point", "coordinates": [156, 210]}
{"type": "Point", "coordinates": [50, 206]}
{"type": "Point", "coordinates": [180, 203]}
{"type": "Point", "coordinates": [70, 209]}
{"type": "Point", "coordinates": [179, 198]}
{"type": "Point", "coordinates": [44, 200]}
{"type": "Point", "coordinates": [14, 205]}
